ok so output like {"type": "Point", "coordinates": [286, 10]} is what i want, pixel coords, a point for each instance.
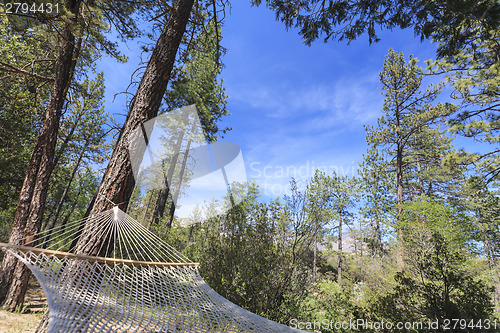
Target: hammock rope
{"type": "Point", "coordinates": [142, 284]}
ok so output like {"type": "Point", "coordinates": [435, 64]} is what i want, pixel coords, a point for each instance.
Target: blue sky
{"type": "Point", "coordinates": [294, 108]}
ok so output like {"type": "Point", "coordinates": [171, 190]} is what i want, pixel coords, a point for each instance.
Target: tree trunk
{"type": "Point", "coordinates": [315, 255]}
{"type": "Point", "coordinates": [68, 137]}
{"type": "Point", "coordinates": [70, 212]}
{"type": "Point", "coordinates": [178, 189]}
{"type": "Point", "coordinates": [154, 216]}
{"type": "Point", "coordinates": [492, 261]}
{"type": "Point", "coordinates": [399, 184]}
{"type": "Point", "coordinates": [340, 254]}
{"type": "Point", "coordinates": [164, 194]}
{"type": "Point", "coordinates": [118, 181]}
{"type": "Point", "coordinates": [493, 270]}
{"type": "Point", "coordinates": [159, 209]}
{"type": "Point", "coordinates": [65, 193]}
{"type": "Point", "coordinates": [74, 242]}
{"type": "Point", "coordinates": [378, 230]}
{"type": "Point", "coordinates": [147, 209]}
{"type": "Point", "coordinates": [30, 208]}
{"type": "Point", "coordinates": [379, 250]}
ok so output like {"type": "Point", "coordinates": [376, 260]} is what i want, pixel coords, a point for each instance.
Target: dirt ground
{"type": "Point", "coordinates": [27, 320]}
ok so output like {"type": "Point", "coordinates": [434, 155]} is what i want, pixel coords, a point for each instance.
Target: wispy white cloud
{"type": "Point", "coordinates": [306, 127]}
{"type": "Point", "coordinates": [322, 105]}
{"type": "Point", "coordinates": [275, 157]}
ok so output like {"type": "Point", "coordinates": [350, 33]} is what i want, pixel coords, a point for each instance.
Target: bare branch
{"type": "Point", "coordinates": [11, 69]}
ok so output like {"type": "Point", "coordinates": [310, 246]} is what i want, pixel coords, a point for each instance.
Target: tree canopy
{"type": "Point", "coordinates": [412, 237]}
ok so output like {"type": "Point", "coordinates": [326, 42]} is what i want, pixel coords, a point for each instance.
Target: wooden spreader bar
{"type": "Point", "coordinates": [102, 260]}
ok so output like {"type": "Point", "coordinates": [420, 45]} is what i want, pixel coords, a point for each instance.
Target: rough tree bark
{"type": "Point", "coordinates": [146, 211]}
{"type": "Point", "coordinates": [340, 253]}
{"type": "Point", "coordinates": [71, 210]}
{"type": "Point", "coordinates": [379, 249]}
{"type": "Point", "coordinates": [315, 256]}
{"type": "Point", "coordinates": [118, 181]}
{"type": "Point", "coordinates": [30, 208]}
{"type": "Point", "coordinates": [154, 216]}
{"type": "Point", "coordinates": [399, 182]}
{"type": "Point", "coordinates": [65, 193]}
{"type": "Point", "coordinates": [67, 139]}
{"type": "Point", "coordinates": [175, 195]}
{"type": "Point", "coordinates": [159, 208]}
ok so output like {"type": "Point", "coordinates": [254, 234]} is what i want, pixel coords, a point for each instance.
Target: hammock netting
{"type": "Point", "coordinates": [142, 284]}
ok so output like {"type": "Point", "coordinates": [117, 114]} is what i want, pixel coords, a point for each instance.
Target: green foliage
{"type": "Point", "coordinates": [428, 215]}
{"type": "Point", "coordinates": [21, 105]}
{"type": "Point", "coordinates": [82, 145]}
{"type": "Point", "coordinates": [248, 256]}
{"type": "Point", "coordinates": [277, 259]}
{"type": "Point", "coordinates": [483, 206]}
{"type": "Point", "coordinates": [328, 303]}
{"type": "Point", "coordinates": [408, 137]}
{"type": "Point", "coordinates": [376, 186]}
{"type": "Point", "coordinates": [331, 198]}
{"type": "Point", "coordinates": [437, 285]}
{"type": "Point", "coordinates": [90, 119]}
{"type": "Point", "coordinates": [429, 171]}
{"type": "Point", "coordinates": [30, 45]}
{"type": "Point", "coordinates": [196, 81]}
{"type": "Point", "coordinates": [406, 108]}
{"type": "Point", "coordinates": [474, 76]}
{"type": "Point", "coordinates": [453, 24]}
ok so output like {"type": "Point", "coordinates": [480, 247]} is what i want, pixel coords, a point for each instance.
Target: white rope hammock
{"type": "Point", "coordinates": [141, 285]}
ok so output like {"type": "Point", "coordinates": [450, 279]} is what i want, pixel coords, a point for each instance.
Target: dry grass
{"type": "Point", "coordinates": [19, 323]}
{"type": "Point", "coordinates": [25, 321]}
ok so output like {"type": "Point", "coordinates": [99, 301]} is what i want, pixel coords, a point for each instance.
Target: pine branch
{"type": "Point", "coordinates": [11, 69]}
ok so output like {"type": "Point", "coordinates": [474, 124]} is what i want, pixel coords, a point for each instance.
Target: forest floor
{"type": "Point", "coordinates": [25, 321]}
